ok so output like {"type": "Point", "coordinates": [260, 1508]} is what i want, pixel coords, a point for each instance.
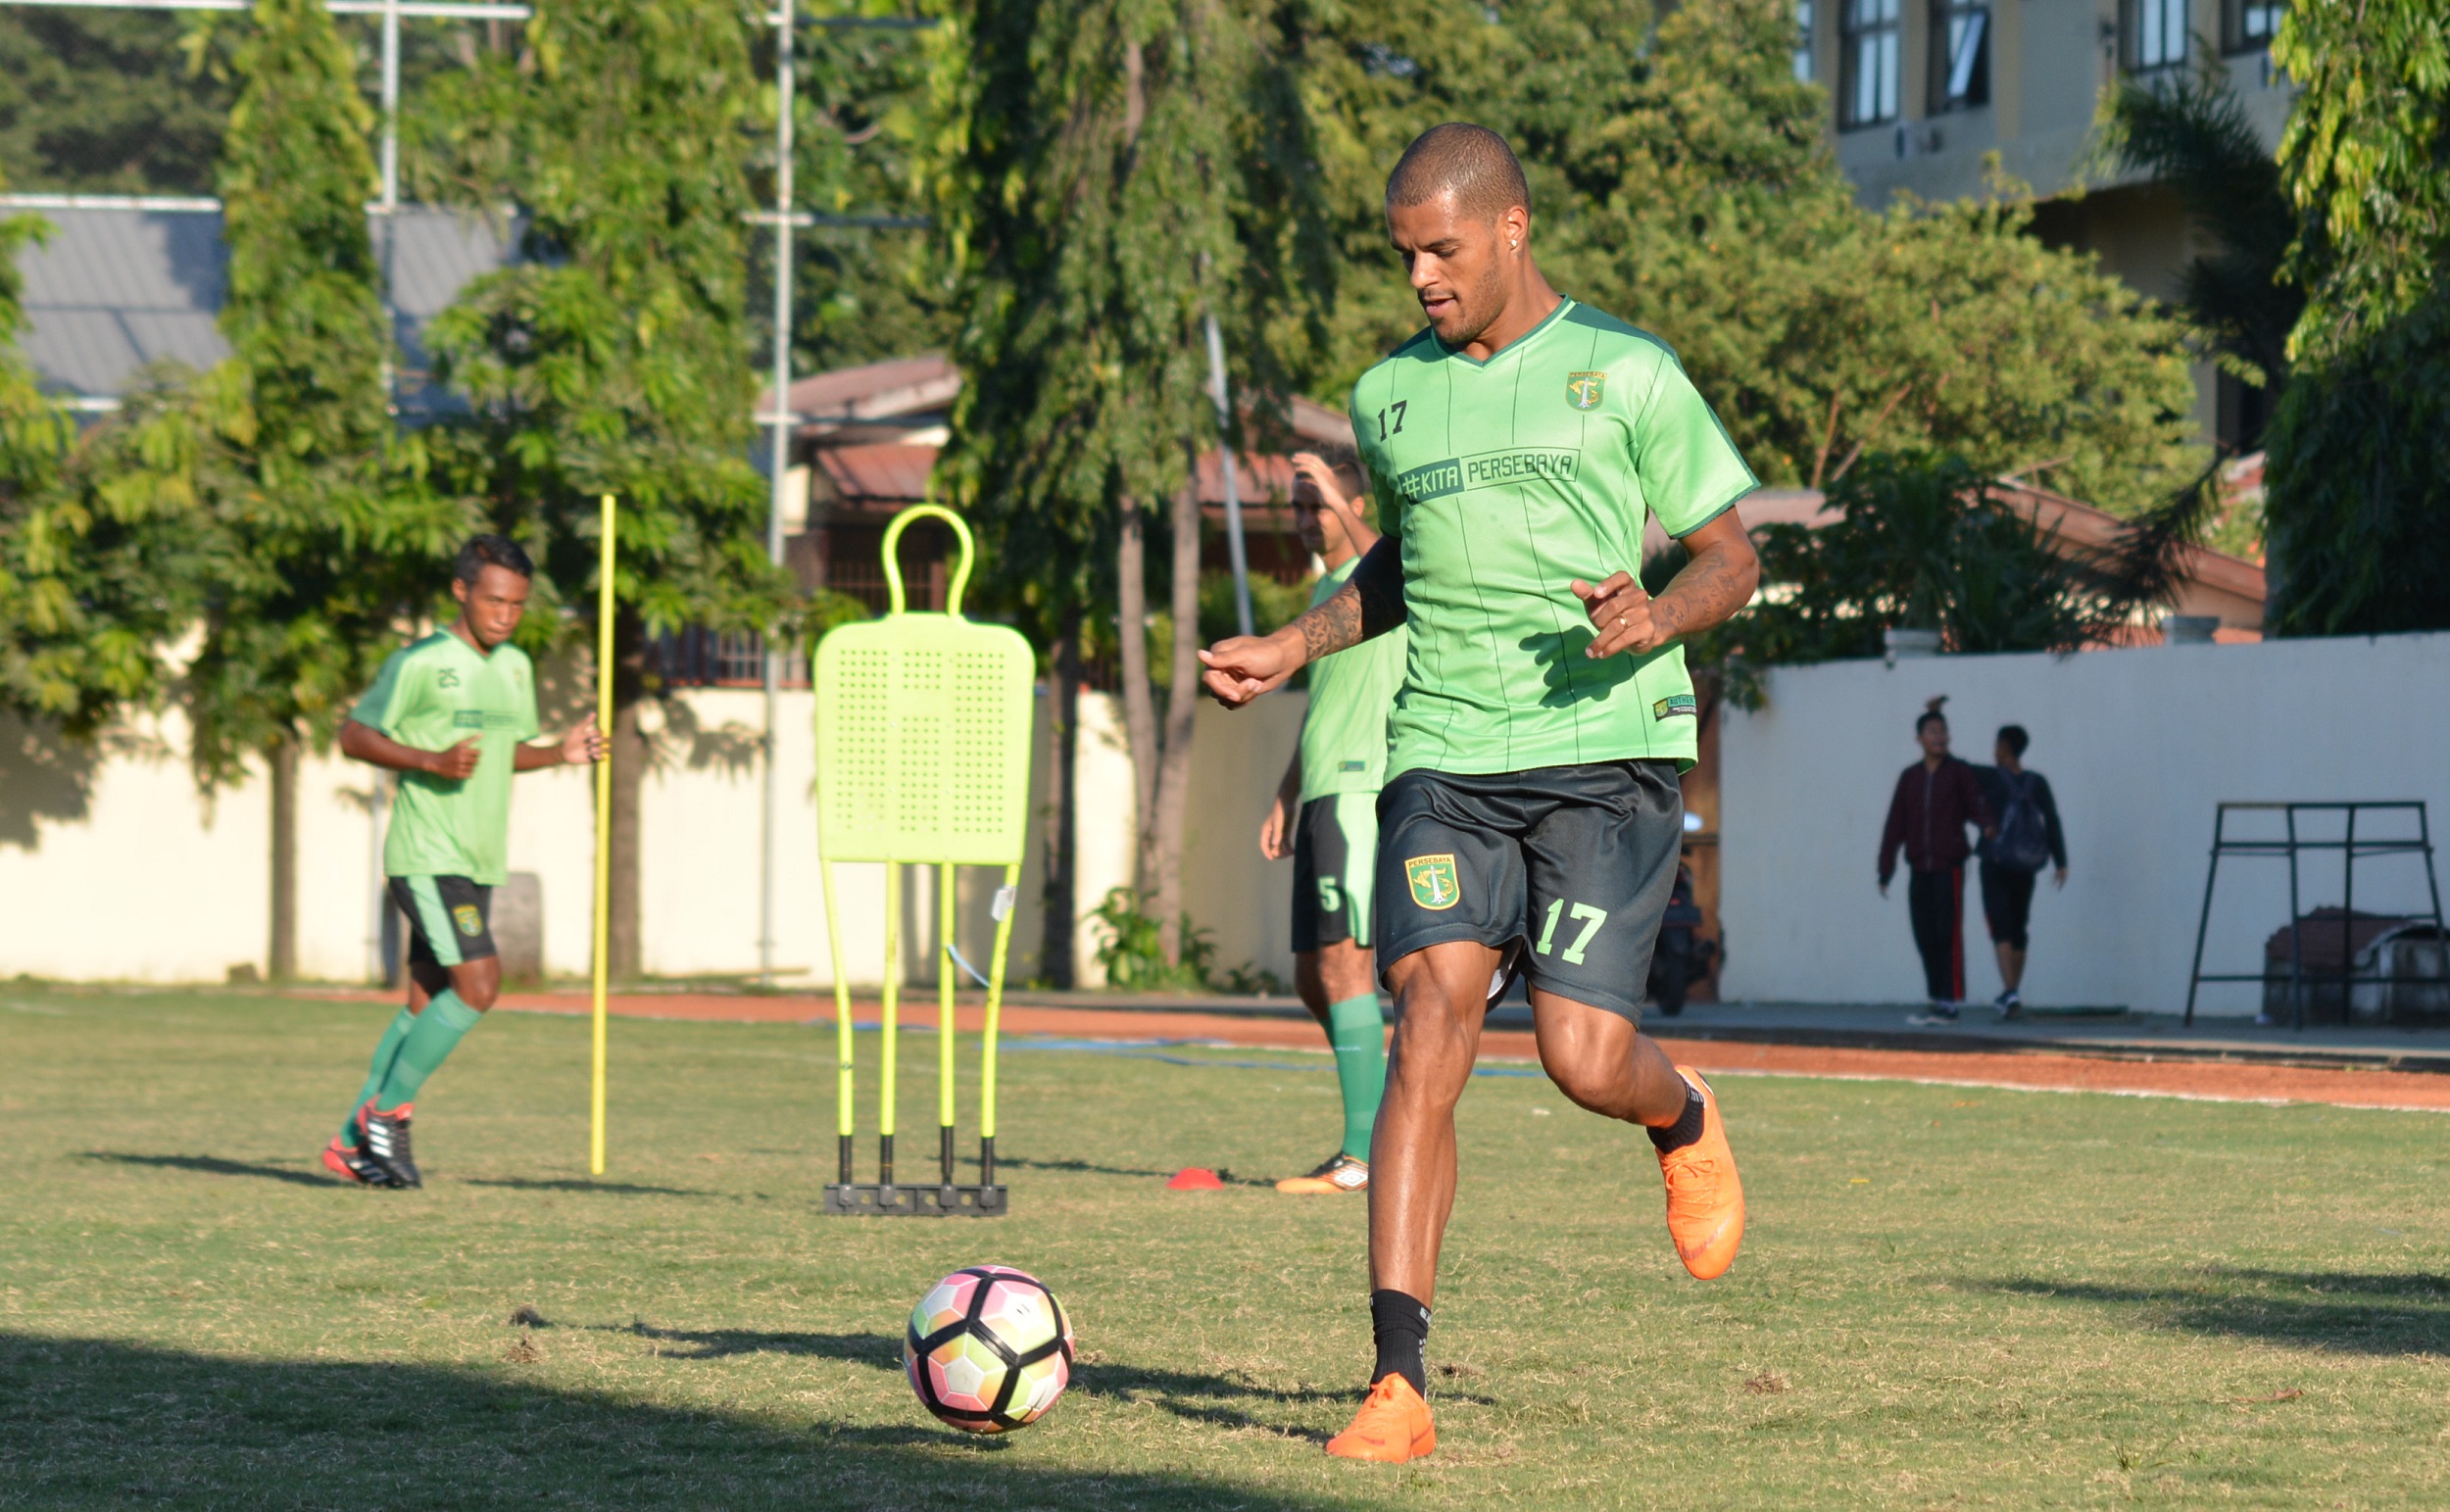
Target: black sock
{"type": "Point", "coordinates": [1684, 1130]}
{"type": "Point", "coordinates": [1401, 1327]}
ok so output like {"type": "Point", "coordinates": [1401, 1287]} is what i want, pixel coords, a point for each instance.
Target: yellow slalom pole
{"type": "Point", "coordinates": [944, 1020]}
{"type": "Point", "coordinates": [888, 1071]}
{"type": "Point", "coordinates": [845, 1115]}
{"type": "Point", "coordinates": [988, 1031]}
{"type": "Point", "coordinates": [603, 838]}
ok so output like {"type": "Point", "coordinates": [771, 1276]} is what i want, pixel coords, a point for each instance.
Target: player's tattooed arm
{"type": "Point", "coordinates": [1714, 584]}
{"type": "Point", "coordinates": [1244, 666]}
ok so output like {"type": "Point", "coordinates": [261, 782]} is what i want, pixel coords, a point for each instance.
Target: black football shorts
{"type": "Point", "coordinates": [1334, 848]}
{"type": "Point", "coordinates": [1565, 870]}
{"type": "Point", "coordinates": [450, 919]}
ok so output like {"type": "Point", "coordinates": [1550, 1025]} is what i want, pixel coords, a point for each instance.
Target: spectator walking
{"type": "Point", "coordinates": [1935, 799]}
{"type": "Point", "coordinates": [2025, 835]}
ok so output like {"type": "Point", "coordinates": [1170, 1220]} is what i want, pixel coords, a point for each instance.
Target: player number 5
{"type": "Point", "coordinates": [1588, 917]}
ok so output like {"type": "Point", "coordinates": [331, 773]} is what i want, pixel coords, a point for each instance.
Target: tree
{"type": "Point", "coordinates": [2359, 450]}
{"type": "Point", "coordinates": [104, 102]}
{"type": "Point", "coordinates": [309, 536]}
{"type": "Point", "coordinates": [2195, 137]}
{"type": "Point", "coordinates": [615, 357]}
{"type": "Point", "coordinates": [1104, 185]}
{"type": "Point", "coordinates": [1923, 543]}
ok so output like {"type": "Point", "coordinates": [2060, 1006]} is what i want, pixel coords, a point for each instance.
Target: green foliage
{"type": "Point", "coordinates": [615, 357]}
{"type": "Point", "coordinates": [309, 523]}
{"type": "Point", "coordinates": [1923, 543]}
{"type": "Point", "coordinates": [1821, 331]}
{"type": "Point", "coordinates": [859, 294]}
{"type": "Point", "coordinates": [1097, 193]}
{"type": "Point", "coordinates": [2195, 138]}
{"type": "Point", "coordinates": [104, 102]}
{"type": "Point", "coordinates": [1680, 179]}
{"type": "Point", "coordinates": [1131, 949]}
{"type": "Point", "coordinates": [2359, 460]}
{"type": "Point", "coordinates": [2367, 159]}
{"type": "Point", "coordinates": [63, 656]}
{"type": "Point", "coordinates": [2358, 448]}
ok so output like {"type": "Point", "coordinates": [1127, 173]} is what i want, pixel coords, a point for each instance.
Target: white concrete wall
{"type": "Point", "coordinates": [2138, 746]}
{"type": "Point", "coordinates": [113, 868]}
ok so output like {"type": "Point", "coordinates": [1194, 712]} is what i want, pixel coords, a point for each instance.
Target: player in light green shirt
{"type": "Point", "coordinates": [451, 714]}
{"type": "Point", "coordinates": [1530, 818]}
{"type": "Point", "coordinates": [1326, 818]}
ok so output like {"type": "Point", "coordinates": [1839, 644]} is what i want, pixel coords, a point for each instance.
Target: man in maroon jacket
{"type": "Point", "coordinates": [1936, 797]}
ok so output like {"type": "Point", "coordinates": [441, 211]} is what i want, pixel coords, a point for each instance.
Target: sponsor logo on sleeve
{"type": "Point", "coordinates": [1676, 706]}
{"type": "Point", "coordinates": [1582, 389]}
{"type": "Point", "coordinates": [1434, 881]}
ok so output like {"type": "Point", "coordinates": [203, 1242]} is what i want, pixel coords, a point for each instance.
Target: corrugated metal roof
{"type": "Point", "coordinates": [121, 286]}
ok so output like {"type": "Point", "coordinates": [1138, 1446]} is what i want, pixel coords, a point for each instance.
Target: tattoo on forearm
{"type": "Point", "coordinates": [1332, 626]}
{"type": "Point", "coordinates": [1711, 587]}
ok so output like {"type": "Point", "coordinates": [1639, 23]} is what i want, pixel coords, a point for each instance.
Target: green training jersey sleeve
{"type": "Point", "coordinates": [432, 696]}
{"type": "Point", "coordinates": [1508, 481]}
{"type": "Point", "coordinates": [1344, 735]}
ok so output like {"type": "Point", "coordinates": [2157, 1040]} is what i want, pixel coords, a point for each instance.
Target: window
{"type": "Point", "coordinates": [1869, 40]}
{"type": "Point", "coordinates": [1803, 41]}
{"type": "Point", "coordinates": [2154, 34]}
{"type": "Point", "coordinates": [2248, 25]}
{"type": "Point", "coordinates": [1960, 54]}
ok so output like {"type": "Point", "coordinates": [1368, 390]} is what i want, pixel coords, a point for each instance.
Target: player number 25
{"type": "Point", "coordinates": [1588, 917]}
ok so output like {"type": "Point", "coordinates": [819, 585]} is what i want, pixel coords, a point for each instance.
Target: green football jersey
{"type": "Point", "coordinates": [434, 695]}
{"type": "Point", "coordinates": [1344, 735]}
{"type": "Point", "coordinates": [1508, 479]}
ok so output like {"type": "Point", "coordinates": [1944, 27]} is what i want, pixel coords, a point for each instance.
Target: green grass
{"type": "Point", "coordinates": [1948, 1297]}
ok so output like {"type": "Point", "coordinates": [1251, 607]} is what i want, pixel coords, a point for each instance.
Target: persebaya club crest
{"type": "Point", "coordinates": [470, 922]}
{"type": "Point", "coordinates": [1582, 389]}
{"type": "Point", "coordinates": [1433, 879]}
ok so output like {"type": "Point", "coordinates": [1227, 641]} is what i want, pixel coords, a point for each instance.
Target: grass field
{"type": "Point", "coordinates": [1948, 1297]}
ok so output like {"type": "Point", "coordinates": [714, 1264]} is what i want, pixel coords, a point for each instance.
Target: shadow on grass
{"type": "Point", "coordinates": [580, 1184]}
{"type": "Point", "coordinates": [93, 1423]}
{"type": "Point", "coordinates": [212, 1165]}
{"type": "Point", "coordinates": [2351, 1312]}
{"type": "Point", "coordinates": [1224, 1175]}
{"type": "Point", "coordinates": [1197, 1397]}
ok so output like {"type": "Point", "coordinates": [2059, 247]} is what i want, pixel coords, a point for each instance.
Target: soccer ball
{"type": "Point", "coordinates": [988, 1349]}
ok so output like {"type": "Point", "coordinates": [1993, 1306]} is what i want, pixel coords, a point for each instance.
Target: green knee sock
{"type": "Point", "coordinates": [439, 1029]}
{"type": "Point", "coordinates": [385, 1048]}
{"type": "Point", "coordinates": [1354, 1029]}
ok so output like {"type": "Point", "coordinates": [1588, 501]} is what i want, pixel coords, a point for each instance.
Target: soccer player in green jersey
{"type": "Point", "coordinates": [1530, 818]}
{"type": "Point", "coordinates": [1326, 818]}
{"type": "Point", "coordinates": [453, 716]}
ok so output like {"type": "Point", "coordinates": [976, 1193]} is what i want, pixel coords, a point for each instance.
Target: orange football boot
{"type": "Point", "coordinates": [1706, 1201]}
{"type": "Point", "coordinates": [1391, 1426]}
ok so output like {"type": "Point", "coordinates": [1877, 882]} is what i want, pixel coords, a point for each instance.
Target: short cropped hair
{"type": "Point", "coordinates": [491, 551]}
{"type": "Point", "coordinates": [1932, 716]}
{"type": "Point", "coordinates": [1471, 163]}
{"type": "Point", "coordinates": [2013, 737]}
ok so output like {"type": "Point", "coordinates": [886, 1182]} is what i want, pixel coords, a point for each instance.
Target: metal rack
{"type": "Point", "coordinates": [2288, 846]}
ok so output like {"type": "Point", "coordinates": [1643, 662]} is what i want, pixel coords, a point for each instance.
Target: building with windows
{"type": "Point", "coordinates": [1923, 92]}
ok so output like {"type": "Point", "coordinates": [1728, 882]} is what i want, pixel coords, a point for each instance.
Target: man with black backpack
{"type": "Point", "coordinates": [2026, 835]}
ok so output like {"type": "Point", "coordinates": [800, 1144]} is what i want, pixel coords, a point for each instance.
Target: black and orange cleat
{"type": "Point", "coordinates": [386, 1143]}
{"type": "Point", "coordinates": [1705, 1200]}
{"type": "Point", "coordinates": [350, 1164]}
{"type": "Point", "coordinates": [1391, 1426]}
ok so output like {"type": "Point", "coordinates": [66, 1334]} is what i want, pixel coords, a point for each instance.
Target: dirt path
{"type": "Point", "coordinates": [2214, 1082]}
